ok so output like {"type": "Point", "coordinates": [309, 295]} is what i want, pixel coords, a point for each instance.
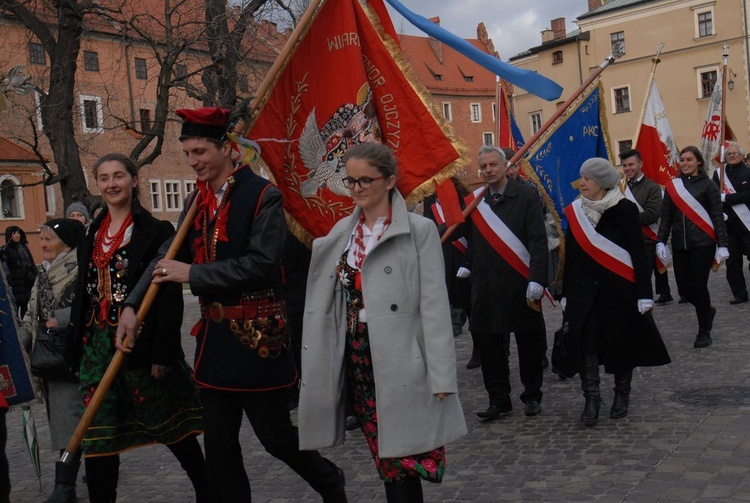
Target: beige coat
{"type": "Point", "coordinates": [411, 339]}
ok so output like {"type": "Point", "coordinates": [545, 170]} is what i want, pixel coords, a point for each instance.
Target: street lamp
{"type": "Point", "coordinates": [730, 82]}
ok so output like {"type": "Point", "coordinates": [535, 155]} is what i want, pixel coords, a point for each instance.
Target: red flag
{"type": "Point", "coordinates": [378, 7]}
{"type": "Point", "coordinates": [656, 142]}
{"type": "Point", "coordinates": [342, 87]}
{"type": "Point", "coordinates": [448, 197]}
{"type": "Point", "coordinates": [505, 134]}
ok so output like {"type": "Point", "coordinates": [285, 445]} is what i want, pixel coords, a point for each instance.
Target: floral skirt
{"type": "Point", "coordinates": [137, 409]}
{"type": "Point", "coordinates": [361, 384]}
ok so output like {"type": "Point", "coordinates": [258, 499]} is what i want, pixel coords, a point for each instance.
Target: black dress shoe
{"type": "Point", "coordinates": [664, 300]}
{"type": "Point", "coordinates": [533, 408]}
{"type": "Point", "coordinates": [738, 300]}
{"type": "Point", "coordinates": [703, 339]}
{"type": "Point", "coordinates": [495, 411]}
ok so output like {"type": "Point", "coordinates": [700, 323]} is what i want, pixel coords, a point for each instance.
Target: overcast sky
{"type": "Point", "coordinates": [513, 25]}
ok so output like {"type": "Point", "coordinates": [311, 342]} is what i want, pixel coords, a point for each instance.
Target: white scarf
{"type": "Point", "coordinates": [594, 209]}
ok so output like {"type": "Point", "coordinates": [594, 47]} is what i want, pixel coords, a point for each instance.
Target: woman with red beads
{"type": "Point", "coordinates": [153, 398]}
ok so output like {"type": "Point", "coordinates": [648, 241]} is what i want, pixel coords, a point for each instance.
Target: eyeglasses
{"type": "Point", "coordinates": [364, 183]}
{"type": "Point", "coordinates": [733, 153]}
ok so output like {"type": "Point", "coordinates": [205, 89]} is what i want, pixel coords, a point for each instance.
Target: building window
{"type": "Point", "coordinates": [621, 97]}
{"type": "Point", "coordinates": [494, 111]}
{"type": "Point", "coordinates": [140, 69]}
{"type": "Point", "coordinates": [623, 145]}
{"type": "Point", "coordinates": [189, 187]}
{"type": "Point", "coordinates": [38, 101]}
{"type": "Point", "coordinates": [476, 112]}
{"type": "Point", "coordinates": [173, 195]}
{"type": "Point", "coordinates": [704, 22]}
{"type": "Point", "coordinates": [180, 71]}
{"type": "Point", "coordinates": [617, 37]}
{"type": "Point", "coordinates": [706, 82]}
{"type": "Point", "coordinates": [557, 57]}
{"type": "Point", "coordinates": [50, 204]}
{"type": "Point", "coordinates": [145, 117]}
{"type": "Point", "coordinates": [91, 114]}
{"type": "Point", "coordinates": [37, 56]}
{"type": "Point", "coordinates": [488, 139]}
{"type": "Point", "coordinates": [154, 190]}
{"type": "Point", "coordinates": [536, 121]}
{"type": "Point", "coordinates": [91, 61]}
{"type": "Point", "coordinates": [447, 111]}
{"type": "Point", "coordinates": [11, 198]}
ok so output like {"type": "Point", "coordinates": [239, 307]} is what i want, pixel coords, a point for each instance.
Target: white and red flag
{"type": "Point", "coordinates": [656, 142]}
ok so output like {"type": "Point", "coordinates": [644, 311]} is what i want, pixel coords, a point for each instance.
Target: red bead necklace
{"type": "Point", "coordinates": [101, 257]}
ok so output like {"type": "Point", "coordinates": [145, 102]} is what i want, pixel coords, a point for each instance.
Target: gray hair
{"type": "Point", "coordinates": [736, 144]}
{"type": "Point", "coordinates": [488, 149]}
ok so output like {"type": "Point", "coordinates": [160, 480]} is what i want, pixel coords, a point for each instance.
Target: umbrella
{"type": "Point", "coordinates": [32, 446]}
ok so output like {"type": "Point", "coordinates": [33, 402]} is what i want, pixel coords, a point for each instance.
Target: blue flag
{"type": "Point", "coordinates": [554, 161]}
{"type": "Point", "coordinates": [525, 79]}
{"type": "Point", "coordinates": [517, 136]}
{"type": "Point", "coordinates": [15, 382]}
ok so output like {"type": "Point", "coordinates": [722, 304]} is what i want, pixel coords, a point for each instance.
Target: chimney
{"type": "Point", "coordinates": [594, 4]}
{"type": "Point", "coordinates": [547, 36]}
{"type": "Point", "coordinates": [435, 44]}
{"type": "Point", "coordinates": [558, 28]}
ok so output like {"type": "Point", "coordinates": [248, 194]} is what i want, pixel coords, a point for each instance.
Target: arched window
{"type": "Point", "coordinates": [11, 198]}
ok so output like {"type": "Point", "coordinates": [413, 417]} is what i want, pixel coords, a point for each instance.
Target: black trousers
{"type": "Point", "coordinates": [268, 412]}
{"type": "Point", "coordinates": [691, 270]}
{"type": "Point", "coordinates": [739, 246]}
{"type": "Point", "coordinates": [4, 468]}
{"type": "Point", "coordinates": [494, 351]}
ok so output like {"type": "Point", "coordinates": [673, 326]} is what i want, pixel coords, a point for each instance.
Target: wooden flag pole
{"type": "Point", "coordinates": [655, 60]}
{"type": "Point", "coordinates": [117, 360]}
{"type": "Point", "coordinates": [723, 128]}
{"type": "Point", "coordinates": [616, 53]}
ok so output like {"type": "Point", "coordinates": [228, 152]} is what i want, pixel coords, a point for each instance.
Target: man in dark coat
{"type": "Point", "coordinates": [502, 291]}
{"type": "Point", "coordinates": [243, 361]}
{"type": "Point", "coordinates": [648, 195]}
{"type": "Point", "coordinates": [736, 207]}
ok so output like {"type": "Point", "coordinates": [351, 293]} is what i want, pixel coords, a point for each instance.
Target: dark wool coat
{"type": "Point", "coordinates": [739, 175]}
{"type": "Point", "coordinates": [498, 292]}
{"type": "Point", "coordinates": [21, 268]}
{"type": "Point", "coordinates": [247, 261]}
{"type": "Point", "coordinates": [159, 341]}
{"type": "Point", "coordinates": [630, 339]}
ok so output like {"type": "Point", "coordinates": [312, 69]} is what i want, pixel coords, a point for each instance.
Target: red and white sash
{"type": "Point", "coordinates": [690, 206]}
{"type": "Point", "coordinates": [437, 211]}
{"type": "Point", "coordinates": [499, 236]}
{"type": "Point", "coordinates": [650, 231]}
{"type": "Point", "coordinates": [606, 253]}
{"type": "Point", "coordinates": [741, 210]}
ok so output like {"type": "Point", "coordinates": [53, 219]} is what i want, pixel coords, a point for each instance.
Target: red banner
{"type": "Point", "coordinates": [342, 87]}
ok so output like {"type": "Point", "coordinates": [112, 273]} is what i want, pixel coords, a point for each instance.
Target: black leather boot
{"type": "Point", "coordinates": [408, 490]}
{"type": "Point", "coordinates": [102, 475]}
{"type": "Point", "coordinates": [65, 480]}
{"type": "Point", "coordinates": [622, 395]}
{"type": "Point", "coordinates": [590, 387]}
{"type": "Point", "coordinates": [188, 452]}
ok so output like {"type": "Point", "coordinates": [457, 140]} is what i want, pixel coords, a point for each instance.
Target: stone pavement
{"type": "Point", "coordinates": [687, 437]}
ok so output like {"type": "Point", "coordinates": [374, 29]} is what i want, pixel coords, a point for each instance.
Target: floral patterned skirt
{"type": "Point", "coordinates": [361, 385]}
{"type": "Point", "coordinates": [137, 409]}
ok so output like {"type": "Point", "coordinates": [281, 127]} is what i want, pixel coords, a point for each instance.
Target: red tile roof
{"type": "Point", "coordinates": [458, 74]}
{"type": "Point", "coordinates": [9, 151]}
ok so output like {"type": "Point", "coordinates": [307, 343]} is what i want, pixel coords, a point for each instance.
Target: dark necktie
{"type": "Point", "coordinates": [496, 197]}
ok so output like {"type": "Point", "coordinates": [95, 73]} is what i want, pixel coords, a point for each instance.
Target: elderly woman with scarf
{"type": "Point", "coordinates": [607, 295]}
{"type": "Point", "coordinates": [49, 308]}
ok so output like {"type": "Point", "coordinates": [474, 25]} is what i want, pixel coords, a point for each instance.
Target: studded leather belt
{"type": "Point", "coordinates": [248, 310]}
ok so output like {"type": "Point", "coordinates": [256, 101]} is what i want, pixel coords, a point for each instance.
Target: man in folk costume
{"type": "Point", "coordinates": [736, 198]}
{"type": "Point", "coordinates": [243, 362]}
{"type": "Point", "coordinates": [647, 195]}
{"type": "Point", "coordinates": [507, 257]}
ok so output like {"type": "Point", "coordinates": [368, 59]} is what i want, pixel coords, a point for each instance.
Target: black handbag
{"type": "Point", "coordinates": [562, 364]}
{"type": "Point", "coordinates": [47, 359]}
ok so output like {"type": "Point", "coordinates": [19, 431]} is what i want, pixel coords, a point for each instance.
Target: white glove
{"type": "Point", "coordinates": [645, 305]}
{"type": "Point", "coordinates": [563, 303]}
{"type": "Point", "coordinates": [723, 198]}
{"type": "Point", "coordinates": [463, 273]}
{"type": "Point", "coordinates": [722, 253]}
{"type": "Point", "coordinates": [726, 217]}
{"type": "Point", "coordinates": [662, 251]}
{"type": "Point", "coordinates": [534, 291]}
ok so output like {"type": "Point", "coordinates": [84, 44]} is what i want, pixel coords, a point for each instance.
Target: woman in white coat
{"type": "Point", "coordinates": [377, 333]}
